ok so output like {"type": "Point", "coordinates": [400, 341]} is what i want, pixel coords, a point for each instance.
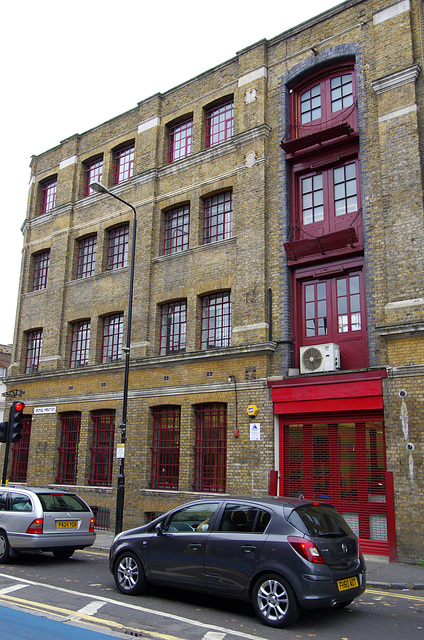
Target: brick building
{"type": "Point", "coordinates": [278, 305]}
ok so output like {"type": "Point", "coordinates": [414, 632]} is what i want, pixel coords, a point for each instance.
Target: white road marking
{"type": "Point", "coordinates": [14, 587]}
{"type": "Point", "coordinates": [91, 608]}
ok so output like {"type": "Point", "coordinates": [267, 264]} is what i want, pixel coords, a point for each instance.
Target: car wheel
{"type": "Point", "coordinates": [129, 574]}
{"type": "Point", "coordinates": [4, 548]}
{"type": "Point", "coordinates": [63, 554]}
{"type": "Point", "coordinates": [274, 601]}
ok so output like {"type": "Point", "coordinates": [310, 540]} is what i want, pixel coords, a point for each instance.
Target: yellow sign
{"type": "Point", "coordinates": [252, 410]}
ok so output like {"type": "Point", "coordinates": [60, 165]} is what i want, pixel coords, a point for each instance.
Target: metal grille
{"type": "Point", "coordinates": [173, 327]}
{"type": "Point", "coordinates": [68, 449]}
{"type": "Point", "coordinates": [20, 452]}
{"type": "Point", "coordinates": [80, 343]}
{"type": "Point", "coordinates": [123, 164]}
{"type": "Point", "coordinates": [118, 248]}
{"type": "Point", "coordinates": [343, 463]}
{"type": "Point", "coordinates": [86, 257]}
{"type": "Point", "coordinates": [101, 517]}
{"type": "Point", "coordinates": [113, 327]}
{"type": "Point", "coordinates": [41, 269]}
{"type": "Point", "coordinates": [166, 447]}
{"type": "Point", "coordinates": [180, 140]}
{"type": "Point", "coordinates": [210, 451]}
{"type": "Point", "coordinates": [48, 195]}
{"type": "Point", "coordinates": [219, 124]}
{"type": "Point", "coordinates": [218, 217]}
{"type": "Point", "coordinates": [216, 321]}
{"type": "Point", "coordinates": [102, 448]}
{"type": "Point", "coordinates": [93, 172]}
{"type": "Point", "coordinates": [177, 224]}
{"type": "Point", "coordinates": [34, 341]}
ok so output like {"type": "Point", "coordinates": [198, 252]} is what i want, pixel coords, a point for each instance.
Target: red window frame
{"type": "Point", "coordinates": [101, 465]}
{"type": "Point", "coordinates": [48, 195]}
{"type": "Point", "coordinates": [123, 164]}
{"type": "Point", "coordinates": [220, 123]}
{"type": "Point", "coordinates": [216, 321]}
{"type": "Point", "coordinates": [327, 198]}
{"type": "Point", "coordinates": [177, 227]}
{"type": "Point", "coordinates": [68, 448]}
{"type": "Point", "coordinates": [93, 172]}
{"type": "Point", "coordinates": [323, 308]}
{"type": "Point", "coordinates": [324, 101]}
{"type": "Point", "coordinates": [118, 248]}
{"type": "Point", "coordinates": [218, 217]}
{"type": "Point", "coordinates": [86, 263]}
{"type": "Point", "coordinates": [20, 453]}
{"type": "Point", "coordinates": [113, 329]}
{"type": "Point", "coordinates": [41, 270]}
{"type": "Point", "coordinates": [210, 449]}
{"type": "Point", "coordinates": [166, 447]}
{"type": "Point", "coordinates": [173, 327]}
{"type": "Point", "coordinates": [80, 344]}
{"type": "Point", "coordinates": [33, 350]}
{"type": "Point", "coordinates": [180, 141]}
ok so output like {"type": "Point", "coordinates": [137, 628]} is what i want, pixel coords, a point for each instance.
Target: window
{"type": "Point", "coordinates": [177, 224]}
{"type": "Point", "coordinates": [216, 321]}
{"type": "Point", "coordinates": [118, 248]}
{"type": "Point", "coordinates": [102, 448]}
{"type": "Point", "coordinates": [80, 344]}
{"type": "Point", "coordinates": [173, 327]}
{"type": "Point", "coordinates": [48, 195]}
{"type": "Point", "coordinates": [20, 453]}
{"type": "Point", "coordinates": [210, 450]}
{"type": "Point", "coordinates": [86, 257]}
{"type": "Point", "coordinates": [218, 217]}
{"type": "Point", "coordinates": [241, 519]}
{"type": "Point", "coordinates": [123, 164]}
{"type": "Point", "coordinates": [219, 123]}
{"type": "Point", "coordinates": [68, 448]}
{"type": "Point", "coordinates": [180, 140]}
{"type": "Point", "coordinates": [325, 102]}
{"type": "Point", "coordinates": [166, 447]}
{"type": "Point", "coordinates": [41, 269]}
{"type": "Point", "coordinates": [34, 341]}
{"type": "Point", "coordinates": [328, 198]}
{"type": "Point", "coordinates": [93, 172]}
{"type": "Point", "coordinates": [113, 327]}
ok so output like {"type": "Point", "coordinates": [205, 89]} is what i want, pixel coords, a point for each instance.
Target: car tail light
{"type": "Point", "coordinates": [36, 526]}
{"type": "Point", "coordinates": [91, 529]}
{"type": "Point", "coordinates": [306, 549]}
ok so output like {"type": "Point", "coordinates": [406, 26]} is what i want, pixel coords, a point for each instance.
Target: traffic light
{"type": "Point", "coordinates": [3, 431]}
{"type": "Point", "coordinates": [15, 421]}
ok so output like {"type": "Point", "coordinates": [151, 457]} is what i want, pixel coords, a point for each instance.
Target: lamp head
{"type": "Point", "coordinates": [98, 187]}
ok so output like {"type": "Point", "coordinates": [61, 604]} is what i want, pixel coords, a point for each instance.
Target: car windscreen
{"type": "Point", "coordinates": [61, 502]}
{"type": "Point", "coordinates": [320, 520]}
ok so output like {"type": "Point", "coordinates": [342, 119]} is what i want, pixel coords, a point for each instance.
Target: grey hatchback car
{"type": "Point", "coordinates": [39, 519]}
{"type": "Point", "coordinates": [281, 554]}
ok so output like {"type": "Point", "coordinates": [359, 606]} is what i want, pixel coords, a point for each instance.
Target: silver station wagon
{"type": "Point", "coordinates": [39, 519]}
{"type": "Point", "coordinates": [281, 554]}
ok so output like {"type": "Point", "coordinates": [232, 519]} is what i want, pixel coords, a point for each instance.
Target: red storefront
{"type": "Point", "coordinates": [331, 447]}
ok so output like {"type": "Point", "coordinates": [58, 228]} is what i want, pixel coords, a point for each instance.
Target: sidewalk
{"type": "Point", "coordinates": [381, 574]}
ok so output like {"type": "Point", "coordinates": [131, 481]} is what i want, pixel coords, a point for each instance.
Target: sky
{"type": "Point", "coordinates": [69, 66]}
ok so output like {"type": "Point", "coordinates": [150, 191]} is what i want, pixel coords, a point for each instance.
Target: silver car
{"type": "Point", "coordinates": [39, 519]}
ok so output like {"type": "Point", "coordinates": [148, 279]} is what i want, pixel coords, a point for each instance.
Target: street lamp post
{"type": "Point", "coordinates": [120, 492]}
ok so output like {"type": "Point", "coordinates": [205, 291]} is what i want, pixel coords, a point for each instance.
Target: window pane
{"type": "Point", "coordinates": [173, 327]}
{"type": "Point", "coordinates": [48, 195]}
{"type": "Point", "coordinates": [93, 172]}
{"type": "Point", "coordinates": [216, 321]}
{"type": "Point", "coordinates": [123, 164]}
{"type": "Point", "coordinates": [118, 248]}
{"type": "Point", "coordinates": [218, 217]}
{"type": "Point", "coordinates": [177, 224]}
{"type": "Point", "coordinates": [180, 140]}
{"type": "Point", "coordinates": [219, 124]}
{"type": "Point", "coordinates": [113, 327]}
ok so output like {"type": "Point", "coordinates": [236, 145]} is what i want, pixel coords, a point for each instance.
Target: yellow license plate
{"type": "Point", "coordinates": [348, 583]}
{"type": "Point", "coordinates": [66, 524]}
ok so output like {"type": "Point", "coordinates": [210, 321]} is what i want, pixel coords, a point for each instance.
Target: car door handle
{"type": "Point", "coordinates": [248, 548]}
{"type": "Point", "coordinates": [195, 546]}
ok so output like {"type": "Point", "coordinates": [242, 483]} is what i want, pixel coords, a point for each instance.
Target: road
{"type": "Point", "coordinates": [82, 591]}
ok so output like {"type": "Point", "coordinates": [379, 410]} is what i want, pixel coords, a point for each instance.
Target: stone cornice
{"type": "Point", "coordinates": [400, 330]}
{"type": "Point", "coordinates": [395, 80]}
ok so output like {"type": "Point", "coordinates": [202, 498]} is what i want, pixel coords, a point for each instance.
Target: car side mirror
{"type": "Point", "coordinates": [159, 529]}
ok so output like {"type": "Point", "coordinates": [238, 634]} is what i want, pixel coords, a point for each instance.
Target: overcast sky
{"type": "Point", "coordinates": [69, 66]}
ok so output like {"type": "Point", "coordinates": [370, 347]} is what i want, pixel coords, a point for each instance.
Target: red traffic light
{"type": "Point", "coordinates": [19, 406]}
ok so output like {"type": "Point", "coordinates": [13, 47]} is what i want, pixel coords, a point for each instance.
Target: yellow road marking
{"type": "Point", "coordinates": [405, 596]}
{"type": "Point", "coordinates": [61, 611]}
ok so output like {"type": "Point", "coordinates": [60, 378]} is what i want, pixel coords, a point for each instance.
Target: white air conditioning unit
{"type": "Point", "coordinates": [319, 357]}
